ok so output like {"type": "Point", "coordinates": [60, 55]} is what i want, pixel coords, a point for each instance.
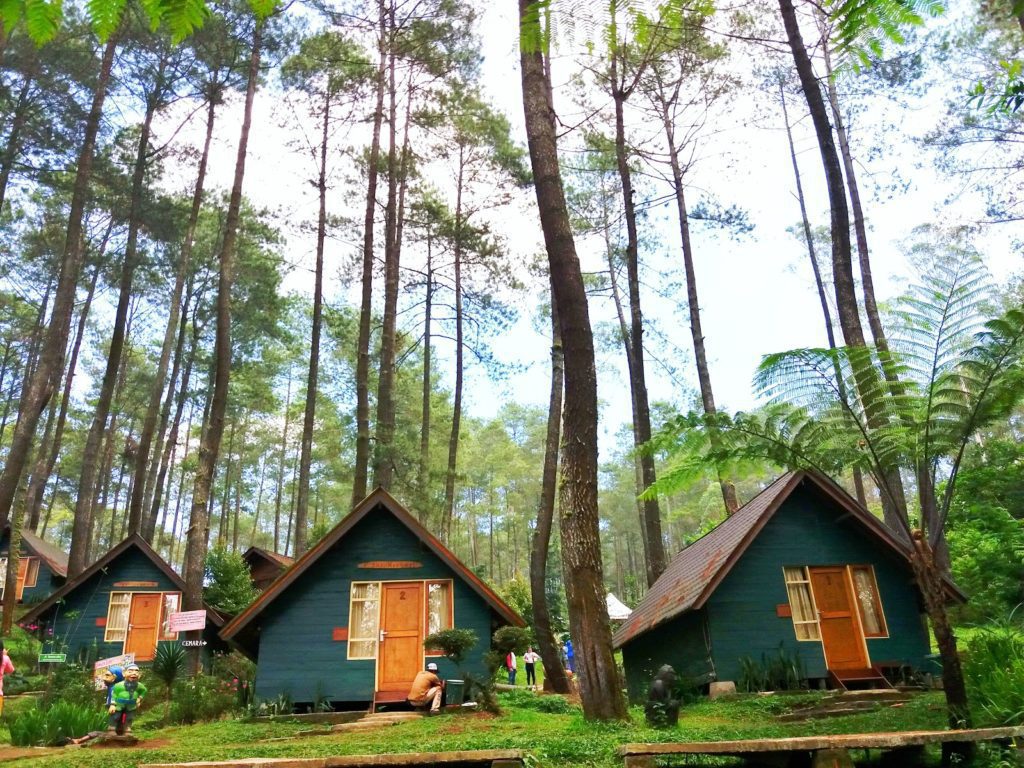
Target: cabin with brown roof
{"type": "Point", "coordinates": [802, 570]}
{"type": "Point", "coordinates": [42, 567]}
{"type": "Point", "coordinates": [265, 566]}
{"type": "Point", "coordinates": [346, 622]}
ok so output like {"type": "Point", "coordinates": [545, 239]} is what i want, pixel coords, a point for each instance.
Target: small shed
{"type": "Point", "coordinates": [119, 604]}
{"type": "Point", "coordinates": [42, 567]}
{"type": "Point", "coordinates": [265, 566]}
{"type": "Point", "coordinates": [346, 622]}
{"type": "Point", "coordinates": [800, 572]}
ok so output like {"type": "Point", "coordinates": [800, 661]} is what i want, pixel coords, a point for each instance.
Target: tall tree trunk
{"type": "Point", "coordinates": [11, 577]}
{"type": "Point", "coordinates": [383, 465]}
{"type": "Point", "coordinates": [858, 479]}
{"type": "Point", "coordinates": [637, 379]}
{"type": "Point", "coordinates": [600, 686]}
{"type": "Point", "coordinates": [181, 487]}
{"type": "Point", "coordinates": [306, 456]}
{"type": "Point", "coordinates": [209, 449]}
{"type": "Point", "coordinates": [43, 380]}
{"type": "Point", "coordinates": [707, 395]}
{"type": "Point", "coordinates": [226, 496]}
{"type": "Point", "coordinates": [90, 456]}
{"type": "Point", "coordinates": [259, 503]}
{"type": "Point", "coordinates": [280, 467]}
{"type": "Point", "coordinates": [894, 503]}
{"type": "Point", "coordinates": [362, 458]}
{"type": "Point", "coordinates": [554, 672]}
{"type": "Point", "coordinates": [13, 146]}
{"type": "Point", "coordinates": [422, 479]}
{"type": "Point", "coordinates": [149, 423]}
{"type": "Point", "coordinates": [453, 440]}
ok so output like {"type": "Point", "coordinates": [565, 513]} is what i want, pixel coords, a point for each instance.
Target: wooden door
{"type": "Point", "coordinates": [841, 634]}
{"type": "Point", "coordinates": [400, 655]}
{"type": "Point", "coordinates": [143, 625]}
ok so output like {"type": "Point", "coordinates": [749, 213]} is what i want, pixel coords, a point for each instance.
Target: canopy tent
{"type": "Point", "coordinates": [617, 610]}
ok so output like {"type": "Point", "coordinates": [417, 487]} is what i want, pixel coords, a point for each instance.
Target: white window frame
{"type": "Point", "coordinates": [108, 629]}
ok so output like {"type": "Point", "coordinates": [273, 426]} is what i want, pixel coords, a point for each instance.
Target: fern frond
{"type": "Point", "coordinates": [105, 16]}
{"type": "Point", "coordinates": [863, 27]}
{"type": "Point", "coordinates": [42, 18]}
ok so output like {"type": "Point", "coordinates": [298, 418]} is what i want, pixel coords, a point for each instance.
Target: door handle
{"type": "Point", "coordinates": [382, 633]}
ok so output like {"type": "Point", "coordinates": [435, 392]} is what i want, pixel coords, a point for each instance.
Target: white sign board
{"type": "Point", "coordinates": [103, 665]}
{"type": "Point", "coordinates": [186, 621]}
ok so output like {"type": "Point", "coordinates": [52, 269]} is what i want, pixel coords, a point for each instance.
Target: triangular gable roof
{"type": "Point", "coordinates": [44, 550]}
{"type": "Point", "coordinates": [694, 574]}
{"type": "Point", "coordinates": [378, 498]}
{"type": "Point", "coordinates": [135, 541]}
{"type": "Point", "coordinates": [252, 553]}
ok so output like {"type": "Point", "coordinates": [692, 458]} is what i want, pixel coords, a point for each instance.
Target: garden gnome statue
{"type": "Point", "coordinates": [661, 707]}
{"type": "Point", "coordinates": [126, 697]}
{"type": "Point", "coordinates": [111, 677]}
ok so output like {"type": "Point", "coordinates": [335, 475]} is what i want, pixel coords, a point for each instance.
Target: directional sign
{"type": "Point", "coordinates": [53, 658]}
{"type": "Point", "coordinates": [186, 621]}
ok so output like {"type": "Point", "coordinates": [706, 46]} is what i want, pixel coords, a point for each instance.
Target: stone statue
{"type": "Point", "coordinates": [661, 707]}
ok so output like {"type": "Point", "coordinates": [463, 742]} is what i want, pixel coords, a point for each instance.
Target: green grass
{"type": "Point", "coordinates": [558, 740]}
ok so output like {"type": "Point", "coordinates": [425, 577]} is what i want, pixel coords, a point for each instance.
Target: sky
{"type": "Point", "coordinates": [757, 291]}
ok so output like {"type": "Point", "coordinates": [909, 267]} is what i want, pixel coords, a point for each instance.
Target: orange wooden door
{"type": "Point", "coordinates": [143, 625]}
{"type": "Point", "coordinates": [400, 655]}
{"type": "Point", "coordinates": [840, 631]}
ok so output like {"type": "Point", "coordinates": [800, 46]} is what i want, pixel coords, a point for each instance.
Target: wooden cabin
{"type": "Point", "coordinates": [265, 566]}
{"type": "Point", "coordinates": [802, 567]}
{"type": "Point", "coordinates": [120, 604]}
{"type": "Point", "coordinates": [346, 622]}
{"type": "Point", "coordinates": [42, 568]}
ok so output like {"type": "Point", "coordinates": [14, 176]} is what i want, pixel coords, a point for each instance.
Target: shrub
{"type": "Point", "coordinates": [453, 643]}
{"type": "Point", "coordinates": [240, 672]}
{"type": "Point", "coordinates": [63, 720]}
{"type": "Point", "coordinates": [994, 673]}
{"type": "Point", "coordinates": [72, 684]}
{"type": "Point", "coordinates": [230, 587]}
{"type": "Point", "coordinates": [781, 671]}
{"type": "Point", "coordinates": [200, 698]}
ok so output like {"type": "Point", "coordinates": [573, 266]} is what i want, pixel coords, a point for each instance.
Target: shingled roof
{"type": "Point", "coordinates": [695, 573]}
{"type": "Point", "coordinates": [45, 551]}
{"type": "Point", "coordinates": [253, 552]}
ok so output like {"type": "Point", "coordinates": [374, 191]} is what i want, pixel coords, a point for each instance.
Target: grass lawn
{"type": "Point", "coordinates": [555, 738]}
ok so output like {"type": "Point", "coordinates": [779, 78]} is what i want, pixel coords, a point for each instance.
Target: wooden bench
{"type": "Point", "coordinates": [830, 751]}
{"type": "Point", "coordinates": [496, 758]}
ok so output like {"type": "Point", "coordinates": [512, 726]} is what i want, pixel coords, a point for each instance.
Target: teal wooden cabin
{"type": "Point", "coordinates": [42, 568]}
{"type": "Point", "coordinates": [802, 569]}
{"type": "Point", "coordinates": [346, 622]}
{"type": "Point", "coordinates": [119, 604]}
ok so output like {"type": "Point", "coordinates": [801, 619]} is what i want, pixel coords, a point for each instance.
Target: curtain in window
{"type": "Point", "coordinates": [439, 606]}
{"type": "Point", "coordinates": [870, 605]}
{"type": "Point", "coordinates": [363, 621]}
{"type": "Point", "coordinates": [171, 602]}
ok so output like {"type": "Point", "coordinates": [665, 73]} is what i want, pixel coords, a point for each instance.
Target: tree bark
{"type": "Point", "coordinates": [453, 440]}
{"type": "Point", "coordinates": [600, 686]}
{"type": "Point", "coordinates": [554, 672]}
{"type": "Point", "coordinates": [858, 479]}
{"type": "Point", "coordinates": [90, 456]}
{"type": "Point", "coordinates": [149, 423]}
{"type": "Point", "coordinates": [43, 380]}
{"type": "Point", "coordinates": [280, 467]}
{"type": "Point", "coordinates": [362, 458]}
{"type": "Point", "coordinates": [209, 449]}
{"type": "Point", "coordinates": [637, 379]}
{"type": "Point", "coordinates": [306, 455]}
{"type": "Point", "coordinates": [422, 479]}
{"type": "Point", "coordinates": [14, 135]}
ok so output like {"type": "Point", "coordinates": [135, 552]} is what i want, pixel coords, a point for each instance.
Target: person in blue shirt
{"type": "Point", "coordinates": [570, 658]}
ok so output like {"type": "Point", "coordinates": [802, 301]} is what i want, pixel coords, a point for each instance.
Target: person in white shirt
{"type": "Point", "coordinates": [530, 659]}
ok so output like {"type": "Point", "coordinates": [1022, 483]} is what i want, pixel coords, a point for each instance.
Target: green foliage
{"type": "Point", "coordinates": [516, 593]}
{"type": "Point", "coordinates": [229, 586]}
{"type": "Point", "coordinates": [239, 672]}
{"type": "Point", "coordinates": [453, 643]}
{"type": "Point", "coordinates": [782, 671]}
{"type": "Point", "coordinates": [168, 663]}
{"type": "Point", "coordinates": [72, 684]}
{"type": "Point", "coordinates": [862, 27]}
{"type": "Point", "coordinates": [994, 673]}
{"type": "Point", "coordinates": [203, 697]}
{"type": "Point", "coordinates": [509, 638]}
{"type": "Point", "coordinates": [50, 727]}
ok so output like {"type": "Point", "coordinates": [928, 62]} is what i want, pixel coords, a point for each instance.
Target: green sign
{"type": "Point", "coordinates": [59, 658]}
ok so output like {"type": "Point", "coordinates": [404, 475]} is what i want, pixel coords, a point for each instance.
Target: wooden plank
{"type": "Point", "coordinates": [482, 756]}
{"type": "Point", "coordinates": [890, 740]}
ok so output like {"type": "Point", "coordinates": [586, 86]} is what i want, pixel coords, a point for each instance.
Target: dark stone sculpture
{"type": "Point", "coordinates": [661, 707]}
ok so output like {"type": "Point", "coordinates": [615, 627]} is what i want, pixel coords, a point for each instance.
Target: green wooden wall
{"type": "Point", "coordinates": [680, 642]}
{"type": "Point", "coordinates": [808, 530]}
{"type": "Point", "coordinates": [47, 583]}
{"type": "Point", "coordinates": [297, 655]}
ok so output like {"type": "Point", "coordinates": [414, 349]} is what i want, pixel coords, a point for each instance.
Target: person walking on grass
{"type": "Point", "coordinates": [510, 665]}
{"type": "Point", "coordinates": [530, 659]}
{"type": "Point", "coordinates": [427, 689]}
{"type": "Point", "coordinates": [6, 668]}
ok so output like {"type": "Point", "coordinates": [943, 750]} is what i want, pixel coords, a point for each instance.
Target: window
{"type": "Point", "coordinates": [171, 602]}
{"type": "Point", "coordinates": [439, 609]}
{"type": "Point", "coordinates": [801, 604]}
{"type": "Point", "coordinates": [866, 588]}
{"type": "Point", "coordinates": [32, 571]}
{"type": "Point", "coordinates": [3, 575]}
{"type": "Point", "coordinates": [364, 620]}
{"type": "Point", "coordinates": [117, 617]}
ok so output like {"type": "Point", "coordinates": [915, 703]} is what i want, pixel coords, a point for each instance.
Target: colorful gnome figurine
{"type": "Point", "coordinates": [111, 677]}
{"type": "Point", "coordinates": [126, 698]}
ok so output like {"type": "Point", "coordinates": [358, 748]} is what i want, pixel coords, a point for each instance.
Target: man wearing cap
{"type": "Point", "coordinates": [126, 696]}
{"type": "Point", "coordinates": [427, 689]}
